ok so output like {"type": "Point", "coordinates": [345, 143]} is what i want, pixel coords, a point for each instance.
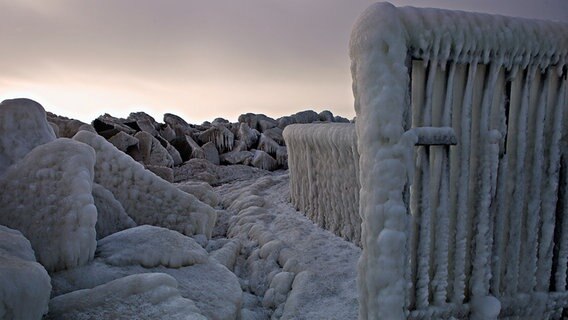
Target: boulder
{"type": "Point", "coordinates": [47, 196]}
{"type": "Point", "coordinates": [123, 141]}
{"type": "Point", "coordinates": [111, 217]}
{"type": "Point", "coordinates": [107, 126]}
{"type": "Point", "coordinates": [152, 152]}
{"type": "Point", "coordinates": [146, 198]}
{"type": "Point", "coordinates": [222, 137]}
{"type": "Point", "coordinates": [307, 116]}
{"type": "Point", "coordinates": [247, 135]}
{"type": "Point", "coordinates": [165, 173]}
{"type": "Point", "coordinates": [68, 127]}
{"type": "Point", "coordinates": [237, 157]}
{"type": "Point", "coordinates": [275, 134]}
{"type": "Point", "coordinates": [23, 126]}
{"type": "Point", "coordinates": [211, 153]}
{"type": "Point", "coordinates": [267, 145]}
{"type": "Point", "coordinates": [176, 157]}
{"type": "Point", "coordinates": [201, 190]}
{"type": "Point", "coordinates": [188, 148]}
{"type": "Point", "coordinates": [166, 132]}
{"type": "Point", "coordinates": [263, 160]}
{"type": "Point", "coordinates": [326, 116]}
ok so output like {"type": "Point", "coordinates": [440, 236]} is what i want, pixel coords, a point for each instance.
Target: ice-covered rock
{"type": "Point", "coordinates": [326, 116]}
{"type": "Point", "coordinates": [141, 296]}
{"type": "Point", "coordinates": [47, 196]}
{"type": "Point", "coordinates": [264, 161]}
{"type": "Point", "coordinates": [201, 190]}
{"type": "Point", "coordinates": [144, 125]}
{"type": "Point", "coordinates": [123, 141]}
{"type": "Point", "coordinates": [146, 198]}
{"type": "Point", "coordinates": [267, 145]}
{"type": "Point", "coordinates": [107, 126]}
{"type": "Point", "coordinates": [68, 127]}
{"type": "Point", "coordinates": [24, 284]}
{"type": "Point", "coordinates": [282, 157]}
{"type": "Point", "coordinates": [307, 116]}
{"type": "Point", "coordinates": [237, 157]}
{"type": "Point", "coordinates": [150, 246]}
{"type": "Point", "coordinates": [152, 152]}
{"type": "Point", "coordinates": [188, 148]}
{"type": "Point", "coordinates": [260, 122]}
{"type": "Point", "coordinates": [211, 153]}
{"type": "Point", "coordinates": [111, 216]}
{"type": "Point", "coordinates": [165, 131]}
{"type": "Point", "coordinates": [222, 137]}
{"type": "Point", "coordinates": [165, 173]}
{"type": "Point", "coordinates": [227, 254]}
{"type": "Point", "coordinates": [23, 126]}
{"type": "Point", "coordinates": [275, 134]}
{"type": "Point", "coordinates": [176, 156]}
{"type": "Point", "coordinates": [247, 135]}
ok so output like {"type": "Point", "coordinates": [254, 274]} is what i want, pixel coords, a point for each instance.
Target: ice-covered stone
{"type": "Point", "coordinates": [165, 131]}
{"type": "Point", "coordinates": [141, 296]}
{"type": "Point", "coordinates": [152, 152]}
{"type": "Point", "coordinates": [24, 284]}
{"type": "Point", "coordinates": [307, 116]}
{"type": "Point", "coordinates": [68, 127]}
{"type": "Point", "coordinates": [201, 190]}
{"type": "Point", "coordinates": [188, 148]}
{"type": "Point", "coordinates": [247, 135]}
{"type": "Point", "coordinates": [162, 172]}
{"type": "Point", "coordinates": [107, 126]}
{"type": "Point", "coordinates": [176, 157]}
{"type": "Point", "coordinates": [222, 137]}
{"type": "Point", "coordinates": [150, 246]}
{"type": "Point", "coordinates": [267, 145]}
{"type": "Point", "coordinates": [111, 216]}
{"type": "Point", "coordinates": [264, 161]}
{"type": "Point", "coordinates": [211, 153]}
{"type": "Point", "coordinates": [237, 157]}
{"type": "Point", "coordinates": [227, 254]}
{"type": "Point", "coordinates": [23, 126]}
{"type": "Point", "coordinates": [123, 141]}
{"type": "Point", "coordinates": [146, 198]}
{"type": "Point", "coordinates": [326, 116]}
{"type": "Point", "coordinates": [47, 196]}
{"type": "Point", "coordinates": [275, 134]}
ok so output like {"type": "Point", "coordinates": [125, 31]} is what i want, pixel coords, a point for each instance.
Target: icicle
{"type": "Point", "coordinates": [519, 193]}
{"type": "Point", "coordinates": [463, 192]}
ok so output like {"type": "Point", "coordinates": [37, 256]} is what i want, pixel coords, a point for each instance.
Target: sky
{"type": "Point", "coordinates": [197, 59]}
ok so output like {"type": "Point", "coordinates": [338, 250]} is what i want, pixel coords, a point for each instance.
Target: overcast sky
{"type": "Point", "coordinates": [198, 59]}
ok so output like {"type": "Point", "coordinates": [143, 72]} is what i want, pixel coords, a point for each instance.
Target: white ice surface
{"type": "Point", "coordinates": [24, 284]}
{"type": "Point", "coordinates": [47, 196]}
{"type": "Point", "coordinates": [146, 198]}
{"type": "Point", "coordinates": [150, 246]}
{"type": "Point", "coordinates": [141, 296]}
{"type": "Point", "coordinates": [111, 216]}
{"type": "Point", "coordinates": [23, 126]}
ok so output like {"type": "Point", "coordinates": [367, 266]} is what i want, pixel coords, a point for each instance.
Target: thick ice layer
{"type": "Point", "coordinates": [150, 246]}
{"type": "Point", "coordinates": [140, 296]}
{"type": "Point", "coordinates": [24, 284]}
{"type": "Point", "coordinates": [145, 197]}
{"type": "Point", "coordinates": [111, 216]}
{"type": "Point", "coordinates": [324, 181]}
{"type": "Point", "coordinates": [47, 196]}
{"type": "Point", "coordinates": [23, 126]}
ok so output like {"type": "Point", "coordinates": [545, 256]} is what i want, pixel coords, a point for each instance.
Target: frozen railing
{"type": "Point", "coordinates": [478, 229]}
{"type": "Point", "coordinates": [324, 175]}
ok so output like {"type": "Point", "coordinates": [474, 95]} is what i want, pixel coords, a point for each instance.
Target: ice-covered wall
{"type": "Point", "coordinates": [147, 198]}
{"type": "Point", "coordinates": [324, 182]}
{"type": "Point", "coordinates": [482, 213]}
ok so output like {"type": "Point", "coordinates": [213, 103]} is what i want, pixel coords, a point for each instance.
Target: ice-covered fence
{"type": "Point", "coordinates": [324, 183]}
{"type": "Point", "coordinates": [483, 228]}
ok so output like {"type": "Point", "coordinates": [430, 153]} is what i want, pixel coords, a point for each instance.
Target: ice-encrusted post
{"type": "Point", "coordinates": [380, 87]}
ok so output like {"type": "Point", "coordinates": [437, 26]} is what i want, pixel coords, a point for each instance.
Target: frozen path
{"type": "Point", "coordinates": [282, 240]}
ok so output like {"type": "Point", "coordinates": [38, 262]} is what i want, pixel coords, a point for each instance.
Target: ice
{"type": "Point", "coordinates": [47, 196]}
{"type": "Point", "coordinates": [146, 198]}
{"type": "Point", "coordinates": [324, 175]}
{"type": "Point", "coordinates": [140, 296]}
{"type": "Point", "coordinates": [201, 190]}
{"type": "Point", "coordinates": [23, 126]}
{"type": "Point", "coordinates": [111, 216]}
{"type": "Point", "coordinates": [149, 247]}
{"type": "Point", "coordinates": [24, 284]}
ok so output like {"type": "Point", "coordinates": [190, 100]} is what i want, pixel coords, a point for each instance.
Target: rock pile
{"type": "Point", "coordinates": [255, 140]}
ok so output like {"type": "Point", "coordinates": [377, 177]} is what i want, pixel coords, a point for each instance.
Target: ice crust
{"type": "Point", "coordinates": [47, 196]}
{"type": "Point", "coordinates": [383, 42]}
{"type": "Point", "coordinates": [140, 296]}
{"type": "Point", "coordinates": [24, 284]}
{"type": "Point", "coordinates": [146, 198]}
{"type": "Point", "coordinates": [324, 175]}
{"type": "Point", "coordinates": [111, 216]}
{"type": "Point", "coordinates": [23, 126]}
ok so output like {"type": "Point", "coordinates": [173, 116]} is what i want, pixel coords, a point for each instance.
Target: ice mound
{"type": "Point", "coordinates": [146, 198]}
{"type": "Point", "coordinates": [150, 246]}
{"type": "Point", "coordinates": [23, 126]}
{"type": "Point", "coordinates": [24, 284]}
{"type": "Point", "coordinates": [201, 190]}
{"type": "Point", "coordinates": [48, 197]}
{"type": "Point", "coordinates": [140, 296]}
{"type": "Point", "coordinates": [111, 216]}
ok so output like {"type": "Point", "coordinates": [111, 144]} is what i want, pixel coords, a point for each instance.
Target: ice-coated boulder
{"type": "Point", "coordinates": [166, 132]}
{"type": "Point", "coordinates": [23, 126]}
{"type": "Point", "coordinates": [275, 134]}
{"type": "Point", "coordinates": [264, 161]}
{"type": "Point", "coordinates": [237, 157]}
{"type": "Point", "coordinates": [123, 141]}
{"type": "Point", "coordinates": [211, 153]}
{"type": "Point", "coordinates": [111, 216]}
{"type": "Point", "coordinates": [150, 246]}
{"type": "Point", "coordinates": [24, 284]}
{"type": "Point", "coordinates": [307, 116]}
{"type": "Point", "coordinates": [107, 126]}
{"type": "Point", "coordinates": [47, 196]}
{"type": "Point", "coordinates": [162, 172]}
{"type": "Point", "coordinates": [176, 157]}
{"type": "Point", "coordinates": [188, 148]}
{"type": "Point", "coordinates": [68, 127]}
{"type": "Point", "coordinates": [146, 198]}
{"type": "Point", "coordinates": [222, 137]}
{"type": "Point", "coordinates": [141, 296]}
{"type": "Point", "coordinates": [326, 116]}
{"type": "Point", "coordinates": [248, 135]}
{"type": "Point", "coordinates": [267, 145]}
{"type": "Point", "coordinates": [152, 152]}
